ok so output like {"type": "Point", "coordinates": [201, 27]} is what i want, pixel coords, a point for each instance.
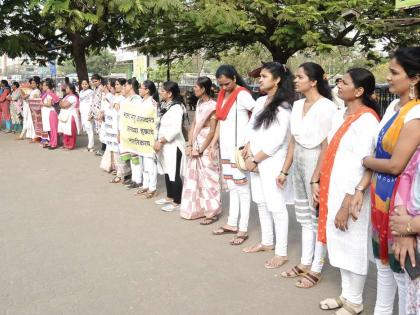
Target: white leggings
{"type": "Point", "coordinates": [313, 251]}
{"type": "Point", "coordinates": [149, 173]}
{"type": "Point", "coordinates": [239, 204]}
{"type": "Point", "coordinates": [352, 286]}
{"type": "Point", "coordinates": [387, 284]}
{"type": "Point", "coordinates": [88, 125]}
{"type": "Point", "coordinates": [136, 170]}
{"type": "Point", "coordinates": [280, 221]}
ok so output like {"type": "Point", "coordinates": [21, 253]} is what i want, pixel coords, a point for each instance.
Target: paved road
{"type": "Point", "coordinates": [71, 243]}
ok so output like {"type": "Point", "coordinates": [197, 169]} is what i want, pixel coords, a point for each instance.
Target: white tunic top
{"type": "Point", "coordinates": [85, 104]}
{"type": "Point", "coordinates": [69, 112]}
{"type": "Point", "coordinates": [310, 130]}
{"type": "Point", "coordinates": [241, 107]}
{"type": "Point", "coordinates": [273, 141]}
{"type": "Point", "coordinates": [45, 113]}
{"type": "Point", "coordinates": [170, 128]}
{"type": "Point", "coordinates": [350, 250]}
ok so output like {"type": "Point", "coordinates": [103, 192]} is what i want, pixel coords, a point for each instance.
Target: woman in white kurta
{"type": "Point", "coordinates": [149, 167]}
{"type": "Point", "coordinates": [86, 103]}
{"type": "Point", "coordinates": [310, 123]}
{"type": "Point", "coordinates": [347, 233]}
{"type": "Point", "coordinates": [234, 104]}
{"type": "Point", "coordinates": [68, 119]}
{"type": "Point", "coordinates": [170, 145]}
{"type": "Point", "coordinates": [28, 130]}
{"type": "Point", "coordinates": [268, 134]}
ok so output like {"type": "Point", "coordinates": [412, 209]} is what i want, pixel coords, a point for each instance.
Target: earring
{"type": "Point", "coordinates": [412, 93]}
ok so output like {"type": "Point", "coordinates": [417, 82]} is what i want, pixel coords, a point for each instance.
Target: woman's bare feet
{"type": "Point", "coordinates": [258, 248]}
{"type": "Point", "coordinates": [296, 271]}
{"type": "Point", "coordinates": [309, 280]}
{"type": "Point", "coordinates": [239, 238]}
{"type": "Point", "coordinates": [275, 262]}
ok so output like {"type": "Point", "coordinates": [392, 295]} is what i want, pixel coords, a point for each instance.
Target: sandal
{"type": "Point", "coordinates": [149, 194]}
{"type": "Point", "coordinates": [296, 271]}
{"type": "Point", "coordinates": [208, 221]}
{"type": "Point", "coordinates": [116, 180]}
{"type": "Point", "coordinates": [310, 278]}
{"type": "Point", "coordinates": [349, 309]}
{"type": "Point", "coordinates": [222, 230]}
{"type": "Point", "coordinates": [141, 191]}
{"type": "Point", "coordinates": [258, 248]}
{"type": "Point", "coordinates": [275, 262]}
{"type": "Point", "coordinates": [331, 303]}
{"type": "Point", "coordinates": [239, 239]}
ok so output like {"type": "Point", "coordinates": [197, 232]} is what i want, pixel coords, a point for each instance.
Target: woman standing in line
{"type": "Point", "coordinates": [201, 192]}
{"type": "Point", "coordinates": [49, 114]}
{"type": "Point", "coordinates": [234, 104]}
{"type": "Point", "coordinates": [346, 230]}
{"type": "Point", "coordinates": [150, 103]}
{"type": "Point", "coordinates": [268, 135]}
{"type": "Point", "coordinates": [16, 107]}
{"type": "Point", "coordinates": [5, 106]}
{"type": "Point", "coordinates": [397, 140]}
{"type": "Point", "coordinates": [68, 120]}
{"type": "Point", "coordinates": [28, 130]}
{"type": "Point", "coordinates": [310, 123]}
{"type": "Point", "coordinates": [170, 145]}
{"type": "Point", "coordinates": [86, 103]}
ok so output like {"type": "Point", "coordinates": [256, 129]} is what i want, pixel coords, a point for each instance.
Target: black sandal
{"type": "Point", "coordinates": [208, 221]}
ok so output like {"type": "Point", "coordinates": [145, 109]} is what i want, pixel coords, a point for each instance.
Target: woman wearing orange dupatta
{"type": "Point", "coordinates": [201, 190]}
{"type": "Point", "coordinates": [398, 139]}
{"type": "Point", "coordinates": [350, 139]}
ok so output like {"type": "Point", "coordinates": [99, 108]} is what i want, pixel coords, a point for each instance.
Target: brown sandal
{"type": "Point", "coordinates": [311, 278]}
{"type": "Point", "coordinates": [275, 262]}
{"type": "Point", "coordinates": [208, 221]}
{"type": "Point", "coordinates": [296, 271]}
{"type": "Point", "coordinates": [222, 230]}
{"type": "Point", "coordinates": [240, 238]}
{"type": "Point", "coordinates": [258, 248]}
{"type": "Point", "coordinates": [148, 194]}
{"type": "Point", "coordinates": [116, 180]}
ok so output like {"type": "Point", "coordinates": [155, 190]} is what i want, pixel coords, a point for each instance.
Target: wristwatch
{"type": "Point", "coordinates": [360, 188]}
{"type": "Point", "coordinates": [253, 161]}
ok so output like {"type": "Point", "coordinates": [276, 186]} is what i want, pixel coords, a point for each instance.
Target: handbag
{"type": "Point", "coordinates": [63, 116]}
{"type": "Point", "coordinates": [239, 159]}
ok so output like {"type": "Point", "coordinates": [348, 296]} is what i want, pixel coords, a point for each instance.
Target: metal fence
{"type": "Point", "coordinates": [384, 97]}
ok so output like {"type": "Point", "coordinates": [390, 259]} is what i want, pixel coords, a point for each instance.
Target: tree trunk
{"type": "Point", "coordinates": [168, 71]}
{"type": "Point", "coordinates": [279, 54]}
{"type": "Point", "coordinates": [78, 51]}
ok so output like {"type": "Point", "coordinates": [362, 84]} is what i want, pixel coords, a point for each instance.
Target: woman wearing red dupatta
{"type": "Point", "coordinates": [350, 139]}
{"type": "Point", "coordinates": [397, 140]}
{"type": "Point", "coordinates": [201, 189]}
{"type": "Point", "coordinates": [234, 104]}
{"type": "Point", "coordinates": [49, 114]}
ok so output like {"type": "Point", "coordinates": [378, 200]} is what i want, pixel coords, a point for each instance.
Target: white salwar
{"type": "Point", "coordinates": [64, 127]}
{"type": "Point", "coordinates": [270, 199]}
{"type": "Point", "coordinates": [350, 250]}
{"type": "Point", "coordinates": [237, 181]}
{"type": "Point", "coordinates": [170, 127]}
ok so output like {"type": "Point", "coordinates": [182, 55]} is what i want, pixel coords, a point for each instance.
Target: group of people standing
{"type": "Point", "coordinates": [354, 176]}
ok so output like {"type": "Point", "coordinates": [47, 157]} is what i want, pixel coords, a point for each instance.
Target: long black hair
{"type": "Point", "coordinates": [134, 83]}
{"type": "Point", "coordinates": [72, 87]}
{"type": "Point", "coordinates": [6, 84]}
{"type": "Point", "coordinates": [206, 84]}
{"type": "Point", "coordinates": [173, 87]}
{"type": "Point", "coordinates": [230, 72]}
{"type": "Point", "coordinates": [409, 59]}
{"type": "Point", "coordinates": [49, 83]}
{"type": "Point", "coordinates": [363, 78]}
{"type": "Point", "coordinates": [284, 96]}
{"type": "Point", "coordinates": [316, 73]}
{"type": "Point", "coordinates": [152, 89]}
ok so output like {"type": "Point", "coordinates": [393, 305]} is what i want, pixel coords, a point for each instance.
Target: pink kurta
{"type": "Point", "coordinates": [201, 190]}
{"type": "Point", "coordinates": [5, 105]}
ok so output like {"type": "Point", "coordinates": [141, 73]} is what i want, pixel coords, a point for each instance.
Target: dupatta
{"type": "Point", "coordinates": [383, 189]}
{"type": "Point", "coordinates": [327, 167]}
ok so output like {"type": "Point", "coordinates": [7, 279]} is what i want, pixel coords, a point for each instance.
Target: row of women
{"type": "Point", "coordinates": [355, 176]}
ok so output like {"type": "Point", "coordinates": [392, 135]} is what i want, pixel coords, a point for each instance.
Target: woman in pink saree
{"type": "Point", "coordinates": [201, 191]}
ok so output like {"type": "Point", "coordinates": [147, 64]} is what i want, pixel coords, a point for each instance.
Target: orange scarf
{"type": "Point", "coordinates": [223, 111]}
{"type": "Point", "coordinates": [327, 167]}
